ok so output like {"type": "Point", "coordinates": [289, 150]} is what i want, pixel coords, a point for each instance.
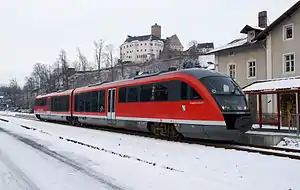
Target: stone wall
{"type": "Point", "coordinates": [125, 71]}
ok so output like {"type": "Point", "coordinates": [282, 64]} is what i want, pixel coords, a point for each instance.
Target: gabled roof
{"type": "Point", "coordinates": [248, 28]}
{"type": "Point", "coordinates": [174, 39]}
{"type": "Point", "coordinates": [280, 19]}
{"type": "Point", "coordinates": [142, 38]}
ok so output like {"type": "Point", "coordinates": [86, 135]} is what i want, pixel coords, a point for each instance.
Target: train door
{"type": "Point", "coordinates": [111, 111]}
{"type": "Point", "coordinates": [48, 104]}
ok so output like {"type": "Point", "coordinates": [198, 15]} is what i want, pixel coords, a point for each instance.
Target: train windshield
{"type": "Point", "coordinates": [226, 92]}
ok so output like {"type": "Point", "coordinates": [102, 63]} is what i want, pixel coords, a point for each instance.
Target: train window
{"type": "Point", "coordinates": [40, 102]}
{"type": "Point", "coordinates": [76, 102]}
{"type": "Point", "coordinates": [87, 102]}
{"type": "Point", "coordinates": [60, 103]}
{"type": "Point", "coordinates": [160, 91]}
{"type": "Point", "coordinates": [81, 102]}
{"type": "Point", "coordinates": [146, 93]}
{"type": "Point", "coordinates": [102, 101]}
{"type": "Point", "coordinates": [132, 94]}
{"type": "Point", "coordinates": [189, 93]}
{"type": "Point", "coordinates": [174, 90]}
{"type": "Point", "coordinates": [122, 94]}
{"type": "Point", "coordinates": [94, 101]}
{"type": "Point", "coordinates": [194, 95]}
{"type": "Point", "coordinates": [184, 91]}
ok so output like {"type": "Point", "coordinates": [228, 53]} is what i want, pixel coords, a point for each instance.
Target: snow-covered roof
{"type": "Point", "coordinates": [233, 44]}
{"type": "Point", "coordinates": [207, 61]}
{"type": "Point", "coordinates": [274, 84]}
{"type": "Point", "coordinates": [257, 28]}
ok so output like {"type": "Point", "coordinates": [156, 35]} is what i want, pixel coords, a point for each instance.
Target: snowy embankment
{"type": "Point", "coordinates": [18, 114]}
{"type": "Point", "coordinates": [288, 142]}
{"type": "Point", "coordinates": [144, 163]}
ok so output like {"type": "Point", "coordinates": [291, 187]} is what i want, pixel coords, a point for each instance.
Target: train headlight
{"type": "Point", "coordinates": [223, 107]}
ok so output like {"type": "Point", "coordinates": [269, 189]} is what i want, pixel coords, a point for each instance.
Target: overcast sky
{"type": "Point", "coordinates": [35, 31]}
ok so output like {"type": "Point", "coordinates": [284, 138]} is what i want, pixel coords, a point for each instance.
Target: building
{"type": "Point", "coordinates": [173, 43]}
{"type": "Point", "coordinates": [266, 52]}
{"type": "Point", "coordinates": [139, 49]}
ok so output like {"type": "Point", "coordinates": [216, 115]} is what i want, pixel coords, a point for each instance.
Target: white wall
{"type": "Point", "coordinates": [139, 51]}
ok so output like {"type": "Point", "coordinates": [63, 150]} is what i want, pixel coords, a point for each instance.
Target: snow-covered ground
{"type": "Point", "coordinates": [8, 113]}
{"type": "Point", "coordinates": [288, 142]}
{"type": "Point", "coordinates": [104, 159]}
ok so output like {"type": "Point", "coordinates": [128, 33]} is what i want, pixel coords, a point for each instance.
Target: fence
{"type": "Point", "coordinates": [287, 122]}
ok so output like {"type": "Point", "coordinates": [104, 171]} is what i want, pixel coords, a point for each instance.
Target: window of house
{"type": "Point", "coordinates": [251, 67]}
{"type": "Point", "coordinates": [232, 70]}
{"type": "Point", "coordinates": [289, 62]}
{"type": "Point", "coordinates": [288, 32]}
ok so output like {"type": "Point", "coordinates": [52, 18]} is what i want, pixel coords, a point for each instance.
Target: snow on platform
{"type": "Point", "coordinates": [142, 163]}
{"type": "Point", "coordinates": [273, 131]}
{"type": "Point", "coordinates": [274, 84]}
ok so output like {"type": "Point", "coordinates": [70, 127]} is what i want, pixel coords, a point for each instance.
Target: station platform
{"type": "Point", "coordinates": [269, 135]}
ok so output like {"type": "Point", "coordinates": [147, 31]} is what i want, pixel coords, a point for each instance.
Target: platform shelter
{"type": "Point", "coordinates": [281, 87]}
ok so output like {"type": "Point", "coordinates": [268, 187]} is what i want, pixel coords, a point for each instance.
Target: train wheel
{"type": "Point", "coordinates": [165, 131]}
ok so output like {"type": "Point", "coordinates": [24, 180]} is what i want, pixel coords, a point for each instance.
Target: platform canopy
{"type": "Point", "coordinates": [274, 85]}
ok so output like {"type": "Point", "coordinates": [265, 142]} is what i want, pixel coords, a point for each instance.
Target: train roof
{"type": "Point", "coordinates": [58, 93]}
{"type": "Point", "coordinates": [201, 73]}
{"type": "Point", "coordinates": [195, 72]}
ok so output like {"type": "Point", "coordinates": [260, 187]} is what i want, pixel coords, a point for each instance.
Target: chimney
{"type": "Point", "coordinates": [263, 19]}
{"type": "Point", "coordinates": [156, 30]}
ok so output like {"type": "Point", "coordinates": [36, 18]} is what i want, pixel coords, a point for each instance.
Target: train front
{"type": "Point", "coordinates": [231, 100]}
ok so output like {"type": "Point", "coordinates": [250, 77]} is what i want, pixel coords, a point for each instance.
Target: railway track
{"type": "Point", "coordinates": [265, 150]}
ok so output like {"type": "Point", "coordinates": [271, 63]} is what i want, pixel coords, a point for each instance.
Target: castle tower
{"type": "Point", "coordinates": [156, 30]}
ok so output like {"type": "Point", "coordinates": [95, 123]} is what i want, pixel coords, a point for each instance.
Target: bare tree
{"type": "Point", "coordinates": [109, 60]}
{"type": "Point", "coordinates": [76, 65]}
{"type": "Point", "coordinates": [64, 68]}
{"type": "Point", "coordinates": [41, 76]}
{"type": "Point", "coordinates": [99, 45]}
{"type": "Point", "coordinates": [192, 43]}
{"type": "Point", "coordinates": [14, 91]}
{"type": "Point", "coordinates": [84, 64]}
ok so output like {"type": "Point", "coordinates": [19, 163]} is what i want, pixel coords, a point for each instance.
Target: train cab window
{"type": "Point", "coordinates": [189, 93]}
{"type": "Point", "coordinates": [132, 94]}
{"type": "Point", "coordinates": [160, 91]}
{"type": "Point", "coordinates": [122, 94]}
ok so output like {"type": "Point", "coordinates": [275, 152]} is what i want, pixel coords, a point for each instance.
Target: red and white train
{"type": "Point", "coordinates": [191, 103]}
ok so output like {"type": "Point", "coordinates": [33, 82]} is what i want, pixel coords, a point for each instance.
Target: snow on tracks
{"type": "Point", "coordinates": [21, 179]}
{"type": "Point", "coordinates": [30, 185]}
{"type": "Point", "coordinates": [103, 149]}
